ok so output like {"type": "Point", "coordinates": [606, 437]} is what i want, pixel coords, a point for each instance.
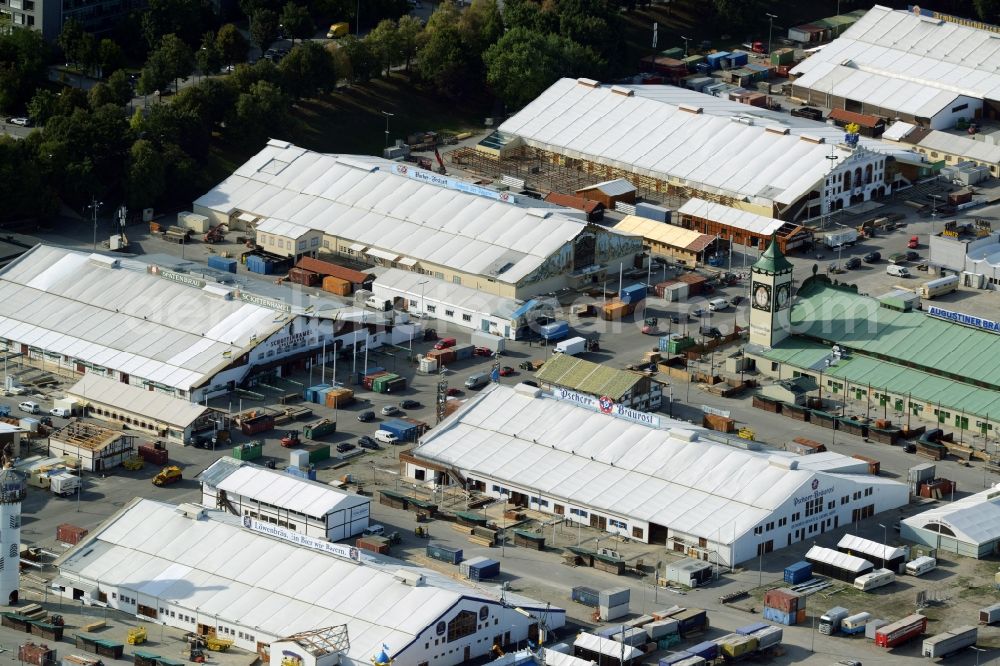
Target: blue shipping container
{"type": "Point", "coordinates": [707, 650]}
{"type": "Point", "coordinates": [222, 263]}
{"type": "Point", "coordinates": [752, 628]}
{"type": "Point", "coordinates": [775, 615]}
{"type": "Point", "coordinates": [652, 212]}
{"type": "Point", "coordinates": [633, 293]}
{"type": "Point", "coordinates": [321, 395]}
{"type": "Point", "coordinates": [401, 429]}
{"type": "Point", "coordinates": [664, 344]}
{"type": "Point", "coordinates": [799, 572]}
{"type": "Point", "coordinates": [301, 473]}
{"type": "Point", "coordinates": [311, 394]}
{"type": "Point", "coordinates": [738, 59]}
{"type": "Point", "coordinates": [439, 551]}
{"type": "Point", "coordinates": [587, 596]}
{"type": "Point", "coordinates": [484, 570]}
{"type": "Point", "coordinates": [555, 330]}
{"type": "Point", "coordinates": [714, 60]}
{"type": "Point", "coordinates": [672, 659]}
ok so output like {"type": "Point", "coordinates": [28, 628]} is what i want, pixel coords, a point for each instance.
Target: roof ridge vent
{"type": "Point", "coordinates": [690, 108]}
{"type": "Point", "coordinates": [104, 260]}
{"type": "Point", "coordinates": [623, 91]}
{"type": "Point", "coordinates": [362, 165]}
{"type": "Point", "coordinates": [777, 130]}
{"type": "Point", "coordinates": [590, 83]}
{"type": "Point", "coordinates": [812, 139]}
{"type": "Point", "coordinates": [192, 511]}
{"type": "Point", "coordinates": [411, 578]}
{"type": "Point", "coordinates": [783, 463]}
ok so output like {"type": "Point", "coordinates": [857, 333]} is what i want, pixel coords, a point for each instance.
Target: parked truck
{"type": "Point", "coordinates": [835, 239]}
{"type": "Point", "coordinates": [571, 346]}
{"type": "Point", "coordinates": [950, 642]}
{"type": "Point", "coordinates": [938, 287]}
{"type": "Point", "coordinates": [494, 343]}
{"type": "Point", "coordinates": [64, 484]}
{"type": "Point", "coordinates": [900, 631]}
{"type": "Point", "coordinates": [829, 622]}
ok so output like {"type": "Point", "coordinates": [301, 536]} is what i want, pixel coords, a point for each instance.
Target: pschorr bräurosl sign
{"type": "Point", "coordinates": [965, 319]}
{"type": "Point", "coordinates": [606, 405]}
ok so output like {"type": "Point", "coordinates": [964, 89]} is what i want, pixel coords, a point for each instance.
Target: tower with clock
{"type": "Point", "coordinates": [770, 297]}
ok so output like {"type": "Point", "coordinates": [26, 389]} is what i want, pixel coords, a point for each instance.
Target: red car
{"type": "Point", "coordinates": [507, 371]}
{"type": "Point", "coordinates": [454, 391]}
{"type": "Point", "coordinates": [483, 351]}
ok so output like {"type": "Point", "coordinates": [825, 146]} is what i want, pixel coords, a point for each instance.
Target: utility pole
{"type": "Point", "coordinates": [94, 206]}
{"type": "Point", "coordinates": [686, 40]}
{"type": "Point", "coordinates": [387, 116]}
{"type": "Point", "coordinates": [770, 26]}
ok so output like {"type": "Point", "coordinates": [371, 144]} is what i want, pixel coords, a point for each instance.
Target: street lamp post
{"type": "Point", "coordinates": [421, 284]}
{"type": "Point", "coordinates": [885, 542]}
{"type": "Point", "coordinates": [686, 40]}
{"type": "Point", "coordinates": [978, 650]}
{"type": "Point", "coordinates": [94, 206]}
{"type": "Point", "coordinates": [770, 25]}
{"type": "Point", "coordinates": [387, 116]}
{"type": "Point", "coordinates": [934, 198]}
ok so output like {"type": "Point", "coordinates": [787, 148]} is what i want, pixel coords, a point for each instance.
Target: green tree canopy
{"type": "Point", "coordinates": [384, 43]}
{"type": "Point", "coordinates": [260, 110]}
{"type": "Point", "coordinates": [232, 45]}
{"type": "Point", "coordinates": [23, 55]}
{"type": "Point", "coordinates": [263, 28]}
{"type": "Point", "coordinates": [146, 178]}
{"type": "Point", "coordinates": [207, 57]}
{"type": "Point", "coordinates": [297, 22]}
{"type": "Point", "coordinates": [363, 62]}
{"type": "Point", "coordinates": [307, 70]}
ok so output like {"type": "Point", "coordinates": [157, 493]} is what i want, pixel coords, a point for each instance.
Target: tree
{"type": "Point", "coordinates": [246, 75]}
{"type": "Point", "coordinates": [32, 197]}
{"type": "Point", "coordinates": [177, 57]}
{"type": "Point", "coordinates": [307, 70]}
{"type": "Point", "coordinates": [523, 63]}
{"type": "Point", "coordinates": [442, 60]}
{"type": "Point", "coordinates": [264, 28]}
{"type": "Point", "coordinates": [69, 100]}
{"type": "Point", "coordinates": [69, 39]}
{"type": "Point", "coordinates": [100, 95]}
{"type": "Point", "coordinates": [42, 106]}
{"type": "Point", "coordinates": [260, 110]}
{"type": "Point", "coordinates": [109, 56]}
{"type": "Point", "coordinates": [987, 10]}
{"type": "Point", "coordinates": [363, 63]}
{"type": "Point", "coordinates": [232, 45]}
{"type": "Point", "coordinates": [249, 7]}
{"type": "Point", "coordinates": [155, 75]}
{"type": "Point", "coordinates": [481, 25]}
{"type": "Point", "coordinates": [384, 43]}
{"type": "Point", "coordinates": [178, 17]}
{"type": "Point", "coordinates": [146, 182]}
{"type": "Point", "coordinates": [408, 31]}
{"type": "Point", "coordinates": [121, 87]}
{"type": "Point", "coordinates": [23, 55]}
{"type": "Point", "coordinates": [297, 22]}
{"type": "Point", "coordinates": [736, 14]}
{"type": "Point", "coordinates": [208, 58]}
{"type": "Point", "coordinates": [211, 101]}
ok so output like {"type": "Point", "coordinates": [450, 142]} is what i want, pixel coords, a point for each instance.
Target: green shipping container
{"type": "Point", "coordinates": [380, 385]}
{"type": "Point", "coordinates": [318, 452]}
{"type": "Point", "coordinates": [679, 345]}
{"type": "Point", "coordinates": [693, 60]}
{"type": "Point", "coordinates": [782, 57]}
{"type": "Point", "coordinates": [319, 429]}
{"type": "Point", "coordinates": [675, 53]}
{"type": "Point", "coordinates": [249, 451]}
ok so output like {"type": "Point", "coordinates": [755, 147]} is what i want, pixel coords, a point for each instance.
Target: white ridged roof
{"type": "Point", "coordinates": [561, 450]}
{"type": "Point", "coordinates": [360, 199]}
{"type": "Point", "coordinates": [124, 318]}
{"type": "Point", "coordinates": [218, 569]}
{"type": "Point", "coordinates": [151, 404]}
{"type": "Point", "coordinates": [838, 559]}
{"type": "Point", "coordinates": [862, 546]}
{"type": "Point", "coordinates": [723, 149]}
{"type": "Point", "coordinates": [902, 61]}
{"type": "Point", "coordinates": [973, 519]}
{"type": "Point", "coordinates": [734, 217]}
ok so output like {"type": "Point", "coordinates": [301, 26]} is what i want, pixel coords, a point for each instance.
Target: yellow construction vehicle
{"type": "Point", "coordinates": [133, 464]}
{"type": "Point", "coordinates": [136, 636]}
{"type": "Point", "coordinates": [167, 475]}
{"type": "Point", "coordinates": [746, 433]}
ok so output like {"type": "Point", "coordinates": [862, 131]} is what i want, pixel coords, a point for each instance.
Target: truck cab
{"type": "Point", "coordinates": [829, 622]}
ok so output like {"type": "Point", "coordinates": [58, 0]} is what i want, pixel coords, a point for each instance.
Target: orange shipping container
{"type": "Point", "coordinates": [336, 285]}
{"type": "Point", "coordinates": [336, 398]}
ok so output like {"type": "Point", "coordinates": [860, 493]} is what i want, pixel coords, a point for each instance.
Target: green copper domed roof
{"type": "Point", "coordinates": [773, 261]}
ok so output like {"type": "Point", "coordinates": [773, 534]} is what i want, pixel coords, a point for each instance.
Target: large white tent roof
{"type": "Point", "coordinates": [733, 217]}
{"type": "Point", "coordinates": [151, 404]}
{"type": "Point", "coordinates": [838, 559]}
{"type": "Point", "coordinates": [361, 199]}
{"type": "Point", "coordinates": [216, 568]}
{"type": "Point", "coordinates": [652, 130]}
{"type": "Point", "coordinates": [78, 305]}
{"type": "Point", "coordinates": [973, 519]}
{"type": "Point", "coordinates": [418, 286]}
{"type": "Point", "coordinates": [888, 51]}
{"type": "Point", "coordinates": [671, 477]}
{"type": "Point", "coordinates": [279, 489]}
{"type": "Point", "coordinates": [874, 549]}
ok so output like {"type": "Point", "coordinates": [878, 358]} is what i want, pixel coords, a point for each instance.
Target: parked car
{"type": "Point", "coordinates": [344, 447]}
{"type": "Point", "coordinates": [367, 442]}
{"type": "Point", "coordinates": [61, 412]}
{"type": "Point", "coordinates": [872, 257]}
{"type": "Point", "coordinates": [910, 447]}
{"type": "Point", "coordinates": [385, 437]}
{"type": "Point", "coordinates": [389, 410]}
{"type": "Point", "coordinates": [29, 406]}
{"type": "Point", "coordinates": [483, 351]}
{"type": "Point", "coordinates": [374, 530]}
{"type": "Point", "coordinates": [20, 120]}
{"type": "Point", "coordinates": [4, 410]}
{"type": "Point", "coordinates": [912, 256]}
{"type": "Point", "coordinates": [409, 404]}
{"type": "Point", "coordinates": [852, 264]}
{"type": "Point", "coordinates": [507, 371]}
{"type": "Point", "coordinates": [454, 391]}
{"type": "Point", "coordinates": [367, 416]}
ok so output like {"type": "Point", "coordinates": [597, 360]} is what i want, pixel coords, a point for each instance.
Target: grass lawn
{"type": "Point", "coordinates": [351, 121]}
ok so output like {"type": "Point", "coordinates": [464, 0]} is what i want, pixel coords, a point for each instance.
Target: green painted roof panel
{"type": "Point", "coordinates": [587, 377]}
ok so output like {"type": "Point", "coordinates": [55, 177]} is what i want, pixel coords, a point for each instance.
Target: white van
{"type": "Point", "coordinates": [717, 304]}
{"type": "Point", "coordinates": [374, 530]}
{"type": "Point", "coordinates": [378, 303]}
{"type": "Point", "coordinates": [873, 580]}
{"type": "Point", "coordinates": [897, 271]}
{"type": "Point", "coordinates": [920, 566]}
{"type": "Point", "coordinates": [385, 437]}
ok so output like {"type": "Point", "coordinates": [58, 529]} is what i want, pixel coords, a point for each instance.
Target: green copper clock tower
{"type": "Point", "coordinates": [770, 297]}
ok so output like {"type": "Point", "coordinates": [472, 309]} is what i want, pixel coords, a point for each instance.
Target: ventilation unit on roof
{"type": "Point", "coordinates": [219, 290]}
{"type": "Point", "coordinates": [357, 164]}
{"type": "Point", "coordinates": [530, 391]}
{"type": "Point", "coordinates": [625, 92]}
{"type": "Point", "coordinates": [590, 83]}
{"type": "Point", "coordinates": [411, 578]}
{"type": "Point", "coordinates": [777, 130]}
{"type": "Point", "coordinates": [107, 262]}
{"type": "Point", "coordinates": [684, 435]}
{"type": "Point", "coordinates": [192, 511]}
{"type": "Point", "coordinates": [506, 267]}
{"type": "Point", "coordinates": [783, 463]}
{"type": "Point", "coordinates": [812, 139]}
{"type": "Point", "coordinates": [690, 108]}
{"type": "Point", "coordinates": [746, 120]}
{"type": "Point", "coordinates": [539, 212]}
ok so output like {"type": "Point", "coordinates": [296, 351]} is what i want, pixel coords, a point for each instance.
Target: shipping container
{"type": "Point", "coordinates": [368, 381]}
{"type": "Point", "coordinates": [311, 394]}
{"type": "Point", "coordinates": [320, 428]}
{"type": "Point", "coordinates": [950, 642]}
{"type": "Point", "coordinates": [769, 637]}
{"type": "Point", "coordinates": [464, 352]}
{"type": "Point", "coordinates": [193, 221]}
{"type": "Point", "coordinates": [444, 553]}
{"type": "Point", "coordinates": [706, 650]}
{"type": "Point", "coordinates": [660, 628]}
{"type": "Point", "coordinates": [873, 626]}
{"type": "Point", "coordinates": [689, 571]}
{"type": "Point", "coordinates": [752, 628]}
{"type": "Point", "coordinates": [737, 647]}
{"type": "Point", "coordinates": [479, 568]}
{"type": "Point", "coordinates": [678, 658]}
{"type": "Point", "coordinates": [554, 331]}
{"type": "Point", "coordinates": [798, 573]}
{"type": "Point", "coordinates": [336, 285]}
{"type": "Point", "coordinates": [900, 631]}
{"type": "Point", "coordinates": [37, 655]}
{"type": "Point", "coordinates": [691, 621]}
{"type": "Point", "coordinates": [614, 596]}
{"type": "Point", "coordinates": [374, 544]}
{"type": "Point", "coordinates": [256, 424]}
{"type": "Point", "coordinates": [303, 277]}
{"type": "Point", "coordinates": [249, 451]}
{"type": "Point", "coordinates": [781, 617]}
{"type": "Point", "coordinates": [70, 534]}
{"type": "Point", "coordinates": [783, 599]}
{"type": "Point", "coordinates": [855, 624]}
{"type": "Point", "coordinates": [634, 636]}
{"type": "Point", "coordinates": [317, 452]}
{"type": "Point", "coordinates": [153, 452]}
{"type": "Point", "coordinates": [987, 615]}
{"type": "Point", "coordinates": [494, 343]}
{"type": "Point", "coordinates": [613, 612]}
{"type": "Point", "coordinates": [404, 430]}
{"type": "Point", "coordinates": [633, 293]}
{"type": "Point", "coordinates": [226, 264]}
{"type": "Point", "coordinates": [640, 621]}
{"type": "Point", "coordinates": [338, 397]}
{"type": "Point", "coordinates": [587, 596]}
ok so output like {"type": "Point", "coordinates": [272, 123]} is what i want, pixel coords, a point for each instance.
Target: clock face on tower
{"type": "Point", "coordinates": [762, 296]}
{"type": "Point", "coordinates": [781, 295]}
